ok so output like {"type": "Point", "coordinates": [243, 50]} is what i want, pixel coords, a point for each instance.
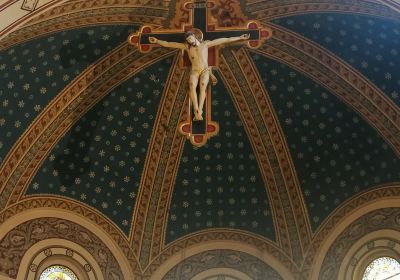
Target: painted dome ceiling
{"type": "Point", "coordinates": [308, 121]}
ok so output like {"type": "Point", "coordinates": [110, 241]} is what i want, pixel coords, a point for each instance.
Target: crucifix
{"type": "Point", "coordinates": [199, 41]}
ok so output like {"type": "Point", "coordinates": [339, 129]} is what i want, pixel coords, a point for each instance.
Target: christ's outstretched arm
{"type": "Point", "coordinates": [221, 41]}
{"type": "Point", "coordinates": [166, 44]}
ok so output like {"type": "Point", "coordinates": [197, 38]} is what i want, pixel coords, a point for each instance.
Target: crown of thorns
{"type": "Point", "coordinates": [189, 33]}
{"type": "Point", "coordinates": [196, 33]}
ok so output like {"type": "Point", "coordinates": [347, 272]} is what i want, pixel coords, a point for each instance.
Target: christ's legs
{"type": "Point", "coordinates": [193, 81]}
{"type": "Point", "coordinates": [204, 78]}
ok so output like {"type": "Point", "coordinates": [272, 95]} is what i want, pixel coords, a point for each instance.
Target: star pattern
{"type": "Point", "coordinates": [370, 45]}
{"type": "Point", "coordinates": [220, 185]}
{"type": "Point", "coordinates": [336, 154]}
{"type": "Point", "coordinates": [100, 160]}
{"type": "Point", "coordinates": [33, 73]}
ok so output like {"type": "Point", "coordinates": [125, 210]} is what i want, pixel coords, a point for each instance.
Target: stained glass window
{"type": "Point", "coordinates": [58, 272]}
{"type": "Point", "coordinates": [384, 268]}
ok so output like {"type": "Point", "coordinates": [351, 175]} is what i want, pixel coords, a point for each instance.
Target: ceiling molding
{"type": "Point", "coordinates": [19, 17]}
{"type": "Point", "coordinates": [117, 15]}
{"type": "Point", "coordinates": [17, 12]}
{"type": "Point", "coordinates": [257, 141]}
{"type": "Point", "coordinates": [222, 239]}
{"type": "Point", "coordinates": [162, 161]}
{"type": "Point", "coordinates": [385, 219]}
{"type": "Point", "coordinates": [243, 71]}
{"type": "Point", "coordinates": [40, 229]}
{"type": "Point", "coordinates": [26, 156]}
{"type": "Point", "coordinates": [270, 10]}
{"type": "Point", "coordinates": [361, 204]}
{"type": "Point", "coordinates": [341, 79]}
{"type": "Point", "coordinates": [64, 208]}
{"type": "Point", "coordinates": [72, 7]}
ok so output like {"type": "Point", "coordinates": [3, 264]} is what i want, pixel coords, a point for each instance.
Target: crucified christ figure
{"type": "Point", "coordinates": [200, 73]}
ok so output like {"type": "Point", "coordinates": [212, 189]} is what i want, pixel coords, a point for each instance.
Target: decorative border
{"type": "Point", "coordinates": [113, 15]}
{"type": "Point", "coordinates": [19, 239]}
{"type": "Point", "coordinates": [242, 262]}
{"type": "Point", "coordinates": [343, 81]}
{"type": "Point", "coordinates": [278, 140]}
{"type": "Point", "coordinates": [227, 236]}
{"type": "Point", "coordinates": [155, 8]}
{"type": "Point", "coordinates": [266, 123]}
{"type": "Point", "coordinates": [20, 18]}
{"type": "Point", "coordinates": [377, 244]}
{"type": "Point", "coordinates": [268, 10]}
{"type": "Point", "coordinates": [68, 205]}
{"type": "Point", "coordinates": [362, 200]}
{"type": "Point", "coordinates": [48, 252]}
{"type": "Point", "coordinates": [385, 218]}
{"type": "Point", "coordinates": [255, 137]}
{"type": "Point", "coordinates": [165, 179]}
{"type": "Point", "coordinates": [159, 171]}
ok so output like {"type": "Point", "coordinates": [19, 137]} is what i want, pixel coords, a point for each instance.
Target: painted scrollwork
{"type": "Point", "coordinates": [249, 265]}
{"type": "Point", "coordinates": [14, 245]}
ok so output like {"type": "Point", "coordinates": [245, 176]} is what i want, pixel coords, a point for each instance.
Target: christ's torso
{"type": "Point", "coordinates": [198, 56]}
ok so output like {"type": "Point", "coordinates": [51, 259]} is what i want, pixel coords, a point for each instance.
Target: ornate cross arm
{"type": "Point", "coordinates": [221, 41]}
{"type": "Point", "coordinates": [166, 44]}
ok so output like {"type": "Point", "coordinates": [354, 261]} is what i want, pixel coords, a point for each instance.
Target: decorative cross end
{"type": "Point", "coordinates": [198, 140]}
{"type": "Point", "coordinates": [264, 34]}
{"type": "Point", "coordinates": [142, 44]}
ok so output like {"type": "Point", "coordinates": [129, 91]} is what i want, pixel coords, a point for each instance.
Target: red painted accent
{"type": "Point", "coordinates": [264, 33]}
{"type": "Point", "coordinates": [198, 138]}
{"type": "Point", "coordinates": [211, 27]}
{"type": "Point", "coordinates": [186, 128]}
{"type": "Point", "coordinates": [145, 48]}
{"type": "Point", "coordinates": [212, 57]}
{"type": "Point", "coordinates": [146, 29]}
{"type": "Point", "coordinates": [253, 43]}
{"type": "Point", "coordinates": [134, 39]}
{"type": "Point", "coordinates": [253, 25]}
{"type": "Point", "coordinates": [211, 128]}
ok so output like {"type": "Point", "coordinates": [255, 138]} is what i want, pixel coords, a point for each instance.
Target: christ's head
{"type": "Point", "coordinates": [191, 39]}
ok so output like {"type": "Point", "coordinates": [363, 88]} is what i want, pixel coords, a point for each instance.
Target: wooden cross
{"type": "Point", "coordinates": [199, 131]}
